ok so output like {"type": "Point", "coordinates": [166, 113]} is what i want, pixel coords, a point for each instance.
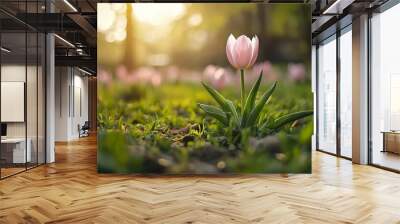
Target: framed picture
{"type": "Point", "coordinates": [204, 88]}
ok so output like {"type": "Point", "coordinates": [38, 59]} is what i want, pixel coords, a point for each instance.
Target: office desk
{"type": "Point", "coordinates": [15, 148]}
{"type": "Point", "coordinates": [391, 141]}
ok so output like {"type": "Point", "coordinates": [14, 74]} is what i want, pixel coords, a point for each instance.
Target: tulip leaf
{"type": "Point", "coordinates": [251, 98]}
{"type": "Point", "coordinates": [217, 97]}
{"type": "Point", "coordinates": [233, 111]}
{"type": "Point", "coordinates": [259, 106]}
{"type": "Point", "coordinates": [289, 118]}
{"type": "Point", "coordinates": [214, 112]}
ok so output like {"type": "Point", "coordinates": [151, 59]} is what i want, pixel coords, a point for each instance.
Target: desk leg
{"type": "Point", "coordinates": [384, 142]}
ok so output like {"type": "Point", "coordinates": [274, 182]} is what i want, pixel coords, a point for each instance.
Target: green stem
{"type": "Point", "coordinates": [243, 93]}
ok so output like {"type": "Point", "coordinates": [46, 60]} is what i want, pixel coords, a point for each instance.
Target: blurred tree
{"type": "Point", "coordinates": [129, 59]}
{"type": "Point", "coordinates": [283, 30]}
{"type": "Point", "coordinates": [261, 20]}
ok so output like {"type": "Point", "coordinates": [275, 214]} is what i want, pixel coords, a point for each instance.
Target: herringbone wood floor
{"type": "Point", "coordinates": [70, 191]}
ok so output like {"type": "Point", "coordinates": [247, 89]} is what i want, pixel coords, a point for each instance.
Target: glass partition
{"type": "Point", "coordinates": [327, 95]}
{"type": "Point", "coordinates": [14, 153]}
{"type": "Point", "coordinates": [385, 89]}
{"type": "Point", "coordinates": [346, 93]}
{"type": "Point", "coordinates": [22, 88]}
{"type": "Point", "coordinates": [31, 99]}
{"type": "Point", "coordinates": [41, 91]}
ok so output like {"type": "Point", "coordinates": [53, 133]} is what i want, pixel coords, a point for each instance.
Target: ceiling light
{"type": "Point", "coordinates": [70, 5]}
{"type": "Point", "coordinates": [64, 40]}
{"type": "Point", "coordinates": [5, 50]}
{"type": "Point", "coordinates": [338, 6]}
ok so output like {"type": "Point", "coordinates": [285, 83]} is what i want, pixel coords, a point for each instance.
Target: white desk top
{"type": "Point", "coordinates": [13, 140]}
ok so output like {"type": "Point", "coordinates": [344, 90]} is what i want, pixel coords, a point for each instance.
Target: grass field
{"type": "Point", "coordinates": [161, 129]}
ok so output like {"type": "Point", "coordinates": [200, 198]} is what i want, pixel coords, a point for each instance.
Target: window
{"type": "Point", "coordinates": [346, 93]}
{"type": "Point", "coordinates": [327, 96]}
{"type": "Point", "coordinates": [385, 89]}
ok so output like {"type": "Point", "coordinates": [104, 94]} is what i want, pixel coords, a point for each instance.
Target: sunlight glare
{"type": "Point", "coordinates": [157, 14]}
{"type": "Point", "coordinates": [195, 20]}
{"type": "Point", "coordinates": [107, 18]}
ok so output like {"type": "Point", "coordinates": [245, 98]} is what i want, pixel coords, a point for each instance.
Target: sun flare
{"type": "Point", "coordinates": [158, 14]}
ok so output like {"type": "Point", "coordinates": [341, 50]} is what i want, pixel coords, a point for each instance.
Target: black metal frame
{"type": "Point", "coordinates": [44, 77]}
{"type": "Point", "coordinates": [338, 98]}
{"type": "Point", "coordinates": [369, 90]}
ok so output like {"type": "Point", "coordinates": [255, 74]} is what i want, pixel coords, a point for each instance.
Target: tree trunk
{"type": "Point", "coordinates": [129, 59]}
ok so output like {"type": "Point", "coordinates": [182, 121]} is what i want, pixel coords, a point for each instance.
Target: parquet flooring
{"type": "Point", "coordinates": [71, 191]}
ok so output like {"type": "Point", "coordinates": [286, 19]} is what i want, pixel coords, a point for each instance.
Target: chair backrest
{"type": "Point", "coordinates": [86, 124]}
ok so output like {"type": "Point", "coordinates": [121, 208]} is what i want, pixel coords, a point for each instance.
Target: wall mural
{"type": "Point", "coordinates": [204, 88]}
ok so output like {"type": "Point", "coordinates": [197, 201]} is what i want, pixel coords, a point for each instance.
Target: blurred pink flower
{"type": "Point", "coordinates": [296, 72]}
{"type": "Point", "coordinates": [104, 77]}
{"type": "Point", "coordinates": [209, 71]}
{"type": "Point", "coordinates": [242, 52]}
{"type": "Point", "coordinates": [147, 75]}
{"type": "Point", "coordinates": [262, 66]}
{"type": "Point", "coordinates": [123, 75]}
{"type": "Point", "coordinates": [142, 75]}
{"type": "Point", "coordinates": [221, 78]}
{"type": "Point", "coordinates": [156, 80]}
{"type": "Point", "coordinates": [218, 77]}
{"type": "Point", "coordinates": [268, 73]}
{"type": "Point", "coordinates": [172, 73]}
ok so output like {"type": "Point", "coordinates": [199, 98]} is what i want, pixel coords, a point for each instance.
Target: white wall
{"type": "Point", "coordinates": [62, 81]}
{"type": "Point", "coordinates": [33, 126]}
{"type": "Point", "coordinates": [71, 94]}
{"type": "Point", "coordinates": [12, 73]}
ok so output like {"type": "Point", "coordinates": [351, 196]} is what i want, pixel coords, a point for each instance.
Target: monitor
{"type": "Point", "coordinates": [3, 129]}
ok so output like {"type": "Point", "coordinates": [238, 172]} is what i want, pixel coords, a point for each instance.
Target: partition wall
{"type": "Point", "coordinates": [22, 76]}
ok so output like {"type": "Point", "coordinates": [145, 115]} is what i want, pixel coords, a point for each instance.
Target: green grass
{"type": "Point", "coordinates": [144, 129]}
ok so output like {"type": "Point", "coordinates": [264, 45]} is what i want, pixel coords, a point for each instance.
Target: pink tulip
{"type": "Point", "coordinates": [265, 67]}
{"type": "Point", "coordinates": [242, 52]}
{"type": "Point", "coordinates": [123, 75]}
{"type": "Point", "coordinates": [104, 77]}
{"type": "Point", "coordinates": [297, 72]}
{"type": "Point", "coordinates": [147, 75]}
{"type": "Point", "coordinates": [219, 77]}
{"type": "Point", "coordinates": [209, 71]}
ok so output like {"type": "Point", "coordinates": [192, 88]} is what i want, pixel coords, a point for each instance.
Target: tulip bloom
{"type": "Point", "coordinates": [242, 53]}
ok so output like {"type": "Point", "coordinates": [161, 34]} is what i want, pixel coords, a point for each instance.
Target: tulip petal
{"type": "Point", "coordinates": [242, 51]}
{"type": "Point", "coordinates": [229, 50]}
{"type": "Point", "coordinates": [254, 47]}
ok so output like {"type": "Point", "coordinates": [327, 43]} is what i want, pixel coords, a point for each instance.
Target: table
{"type": "Point", "coordinates": [391, 141]}
{"type": "Point", "coordinates": [16, 147]}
